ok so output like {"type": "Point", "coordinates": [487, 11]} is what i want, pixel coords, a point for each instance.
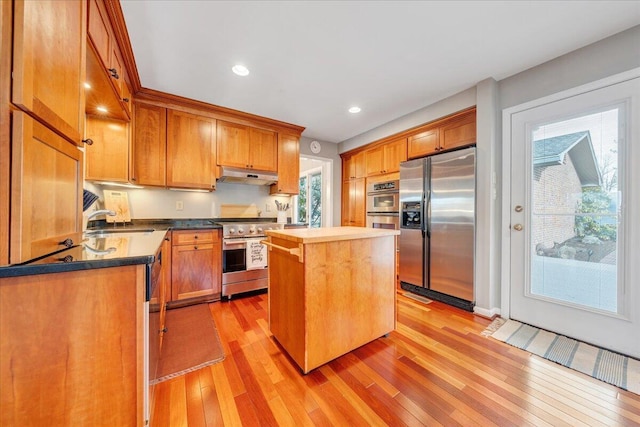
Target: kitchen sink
{"type": "Point", "coordinates": [110, 232]}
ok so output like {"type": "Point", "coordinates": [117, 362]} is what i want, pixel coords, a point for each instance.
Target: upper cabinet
{"type": "Point", "coordinates": [353, 166]}
{"type": "Point", "coordinates": [49, 63]}
{"type": "Point", "coordinates": [107, 156]}
{"type": "Point", "coordinates": [106, 76]}
{"type": "Point", "coordinates": [191, 151]}
{"type": "Point", "coordinates": [288, 165]}
{"type": "Point", "coordinates": [386, 158]}
{"type": "Point", "coordinates": [459, 131]}
{"type": "Point", "coordinates": [246, 147]}
{"type": "Point", "coordinates": [149, 145]}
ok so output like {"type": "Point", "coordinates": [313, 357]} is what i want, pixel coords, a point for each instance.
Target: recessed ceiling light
{"type": "Point", "coordinates": [102, 109]}
{"type": "Point", "coordinates": [354, 110]}
{"type": "Point", "coordinates": [240, 70]}
{"type": "Point", "coordinates": [87, 85]}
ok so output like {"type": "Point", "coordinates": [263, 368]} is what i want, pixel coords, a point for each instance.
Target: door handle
{"type": "Point", "coordinates": [518, 208]}
{"type": "Point", "coordinates": [517, 227]}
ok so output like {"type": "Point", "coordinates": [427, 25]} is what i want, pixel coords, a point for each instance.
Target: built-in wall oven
{"type": "Point", "coordinates": [244, 258]}
{"type": "Point", "coordinates": [383, 204]}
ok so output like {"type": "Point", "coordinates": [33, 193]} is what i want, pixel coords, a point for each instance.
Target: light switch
{"type": "Point", "coordinates": [179, 205]}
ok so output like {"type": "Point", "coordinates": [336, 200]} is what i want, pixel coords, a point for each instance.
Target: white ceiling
{"type": "Point", "coordinates": [311, 60]}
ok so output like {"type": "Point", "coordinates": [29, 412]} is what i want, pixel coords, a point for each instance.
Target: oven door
{"type": "Point", "coordinates": [383, 220]}
{"type": "Point", "coordinates": [383, 202]}
{"type": "Point", "coordinates": [234, 255]}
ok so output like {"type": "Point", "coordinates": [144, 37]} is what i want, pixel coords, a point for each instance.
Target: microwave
{"type": "Point", "coordinates": [383, 197]}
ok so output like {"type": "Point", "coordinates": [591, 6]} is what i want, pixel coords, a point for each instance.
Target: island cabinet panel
{"type": "Point", "coordinates": [49, 64]}
{"type": "Point", "coordinates": [191, 151]}
{"type": "Point", "coordinates": [246, 147]}
{"type": "Point", "coordinates": [288, 165]}
{"type": "Point", "coordinates": [149, 145]}
{"type": "Point", "coordinates": [330, 296]}
{"type": "Point", "coordinates": [196, 264]}
{"type": "Point", "coordinates": [107, 159]}
{"type": "Point", "coordinates": [46, 188]}
{"type": "Point", "coordinates": [72, 348]}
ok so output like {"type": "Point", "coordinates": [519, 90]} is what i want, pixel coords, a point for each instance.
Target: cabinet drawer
{"type": "Point", "coordinates": [191, 237]}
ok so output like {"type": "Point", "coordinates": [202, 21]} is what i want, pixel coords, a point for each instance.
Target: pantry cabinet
{"type": "Point", "coordinates": [191, 151]}
{"type": "Point", "coordinates": [386, 158]}
{"type": "Point", "coordinates": [149, 145]}
{"type": "Point", "coordinates": [288, 165]}
{"type": "Point", "coordinates": [46, 188]}
{"type": "Point", "coordinates": [107, 158]}
{"type": "Point", "coordinates": [353, 202]}
{"type": "Point", "coordinates": [49, 63]}
{"type": "Point", "coordinates": [246, 147]}
{"type": "Point", "coordinates": [353, 166]}
{"type": "Point", "coordinates": [196, 264]}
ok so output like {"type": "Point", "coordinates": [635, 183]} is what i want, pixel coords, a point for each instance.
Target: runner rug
{"type": "Point", "coordinates": [191, 342]}
{"type": "Point", "coordinates": [604, 365]}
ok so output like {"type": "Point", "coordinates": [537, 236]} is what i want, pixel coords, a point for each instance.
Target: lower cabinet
{"type": "Point", "coordinates": [72, 348]}
{"type": "Point", "coordinates": [196, 265]}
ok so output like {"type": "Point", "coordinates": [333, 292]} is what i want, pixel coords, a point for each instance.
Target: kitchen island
{"type": "Point", "coordinates": [331, 290]}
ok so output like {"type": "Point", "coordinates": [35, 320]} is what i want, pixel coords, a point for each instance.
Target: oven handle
{"type": "Point", "coordinates": [293, 251]}
{"type": "Point", "coordinates": [238, 244]}
{"type": "Point", "coordinates": [383, 214]}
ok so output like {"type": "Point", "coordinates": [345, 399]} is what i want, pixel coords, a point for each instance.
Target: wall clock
{"type": "Point", "coordinates": [315, 147]}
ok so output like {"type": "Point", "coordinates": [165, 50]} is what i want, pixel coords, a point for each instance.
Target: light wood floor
{"type": "Point", "coordinates": [435, 369]}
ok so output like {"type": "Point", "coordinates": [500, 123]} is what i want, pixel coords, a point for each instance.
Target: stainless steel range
{"type": "Point", "coordinates": [244, 258]}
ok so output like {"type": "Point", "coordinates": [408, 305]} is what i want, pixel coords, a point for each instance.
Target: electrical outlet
{"type": "Point", "coordinates": [179, 205]}
{"type": "Point", "coordinates": [267, 207]}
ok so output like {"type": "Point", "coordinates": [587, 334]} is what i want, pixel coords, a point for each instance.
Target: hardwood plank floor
{"type": "Point", "coordinates": [434, 369]}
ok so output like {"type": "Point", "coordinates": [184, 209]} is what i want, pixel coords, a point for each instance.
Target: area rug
{"type": "Point", "coordinates": [604, 365]}
{"type": "Point", "coordinates": [417, 297]}
{"type": "Point", "coordinates": [191, 342]}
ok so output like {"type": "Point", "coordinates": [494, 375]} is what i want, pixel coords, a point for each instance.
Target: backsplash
{"type": "Point", "coordinates": [152, 203]}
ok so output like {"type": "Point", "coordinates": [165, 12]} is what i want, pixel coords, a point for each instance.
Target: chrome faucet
{"type": "Point", "coordinates": [100, 212]}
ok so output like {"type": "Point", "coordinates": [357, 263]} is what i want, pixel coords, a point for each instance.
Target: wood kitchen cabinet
{"type": "Point", "coordinates": [353, 166]}
{"type": "Point", "coordinates": [46, 190]}
{"type": "Point", "coordinates": [72, 348]}
{"type": "Point", "coordinates": [49, 63]}
{"type": "Point", "coordinates": [196, 264]}
{"type": "Point", "coordinates": [246, 147]}
{"type": "Point", "coordinates": [353, 202]}
{"type": "Point", "coordinates": [288, 165]}
{"type": "Point", "coordinates": [191, 151]}
{"type": "Point", "coordinates": [386, 158]}
{"type": "Point", "coordinates": [149, 145]}
{"type": "Point", "coordinates": [460, 131]}
{"type": "Point", "coordinates": [107, 158]}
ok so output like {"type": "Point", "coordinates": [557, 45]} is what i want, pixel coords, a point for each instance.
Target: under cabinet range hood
{"type": "Point", "coordinates": [247, 176]}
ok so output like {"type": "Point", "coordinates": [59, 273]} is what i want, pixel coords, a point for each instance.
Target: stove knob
{"type": "Point", "coordinates": [252, 230]}
{"type": "Point", "coordinates": [240, 230]}
{"type": "Point", "coordinates": [232, 231]}
{"type": "Point", "coordinates": [259, 229]}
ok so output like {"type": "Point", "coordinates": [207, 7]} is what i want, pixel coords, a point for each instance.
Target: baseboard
{"type": "Point", "coordinates": [488, 313]}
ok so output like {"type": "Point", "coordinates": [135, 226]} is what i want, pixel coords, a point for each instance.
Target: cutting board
{"type": "Point", "coordinates": [238, 211]}
{"type": "Point", "coordinates": [117, 201]}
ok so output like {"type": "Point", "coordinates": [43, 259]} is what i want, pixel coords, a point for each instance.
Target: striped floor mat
{"type": "Point", "coordinates": [607, 366]}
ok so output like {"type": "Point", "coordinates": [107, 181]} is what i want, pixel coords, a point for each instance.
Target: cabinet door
{"type": "Point", "coordinates": [353, 197]}
{"type": "Point", "coordinates": [395, 152]}
{"type": "Point", "coordinates": [374, 160]}
{"type": "Point", "coordinates": [46, 191]}
{"type": "Point", "coordinates": [459, 133]}
{"type": "Point", "coordinates": [107, 159]}
{"type": "Point", "coordinates": [190, 151]}
{"type": "Point", "coordinates": [232, 145]}
{"type": "Point", "coordinates": [423, 143]}
{"type": "Point", "coordinates": [149, 145]}
{"type": "Point", "coordinates": [192, 272]}
{"type": "Point", "coordinates": [98, 30]}
{"type": "Point", "coordinates": [49, 63]}
{"type": "Point", "coordinates": [263, 150]}
{"type": "Point", "coordinates": [288, 165]}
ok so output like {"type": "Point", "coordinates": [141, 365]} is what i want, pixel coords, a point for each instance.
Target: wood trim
{"type": "Point", "coordinates": [6, 17]}
{"type": "Point", "coordinates": [188, 105]}
{"type": "Point", "coordinates": [409, 132]}
{"type": "Point", "coordinates": [116, 17]}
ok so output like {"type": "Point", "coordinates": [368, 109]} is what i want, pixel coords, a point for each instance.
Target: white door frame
{"type": "Point", "coordinates": [505, 292]}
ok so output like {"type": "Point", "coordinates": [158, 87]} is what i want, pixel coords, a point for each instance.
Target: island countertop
{"type": "Point", "coordinates": [330, 234]}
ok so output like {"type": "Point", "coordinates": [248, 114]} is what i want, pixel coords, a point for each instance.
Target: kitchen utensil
{"type": "Point", "coordinates": [88, 199]}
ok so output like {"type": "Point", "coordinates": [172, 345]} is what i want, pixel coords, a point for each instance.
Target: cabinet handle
{"type": "Point", "coordinates": [125, 99]}
{"type": "Point", "coordinates": [114, 73]}
{"type": "Point", "coordinates": [66, 243]}
{"type": "Point", "coordinates": [195, 247]}
{"type": "Point", "coordinates": [88, 141]}
{"type": "Point", "coordinates": [163, 330]}
{"type": "Point", "coordinates": [68, 258]}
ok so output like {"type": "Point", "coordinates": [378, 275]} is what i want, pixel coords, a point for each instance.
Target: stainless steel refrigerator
{"type": "Point", "coordinates": [437, 227]}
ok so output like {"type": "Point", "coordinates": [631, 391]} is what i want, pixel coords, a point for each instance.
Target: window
{"type": "Point", "coordinates": [308, 203]}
